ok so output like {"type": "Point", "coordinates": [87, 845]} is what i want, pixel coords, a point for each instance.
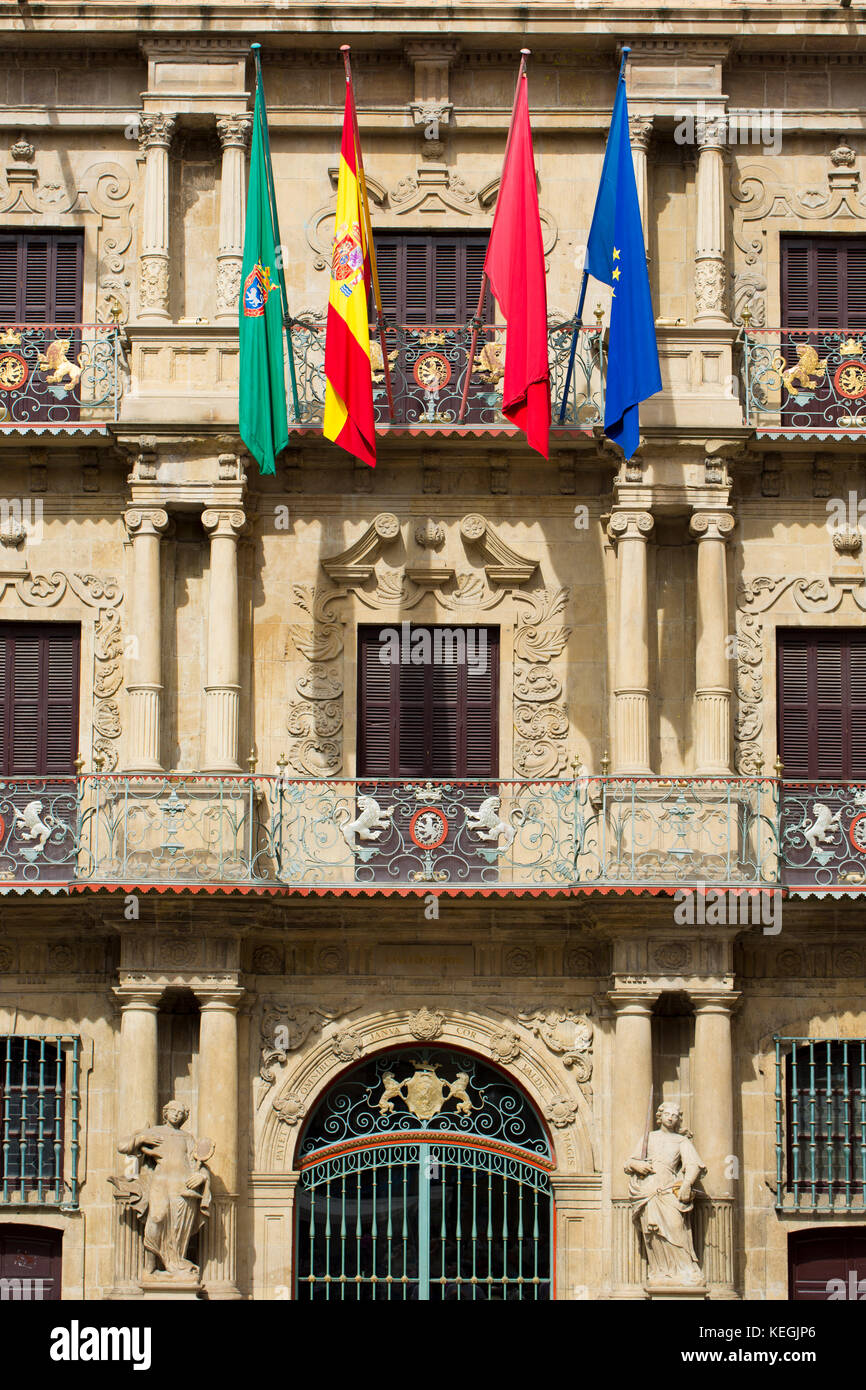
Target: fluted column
{"type": "Point", "coordinates": [712, 665]}
{"type": "Point", "coordinates": [218, 1120]}
{"type": "Point", "coordinates": [630, 531]}
{"type": "Point", "coordinates": [144, 526]}
{"type": "Point", "coordinates": [709, 280]}
{"type": "Point", "coordinates": [222, 691]}
{"type": "Point", "coordinates": [640, 134]}
{"type": "Point", "coordinates": [234, 133]}
{"type": "Point", "coordinates": [155, 137]}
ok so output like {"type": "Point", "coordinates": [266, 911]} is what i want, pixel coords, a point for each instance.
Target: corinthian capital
{"type": "Point", "coordinates": [224, 521]}
{"type": "Point", "coordinates": [234, 130]}
{"type": "Point", "coordinates": [630, 526]}
{"type": "Point", "coordinates": [713, 526]}
{"type": "Point", "coordinates": [640, 130]}
{"type": "Point", "coordinates": [146, 521]}
{"type": "Point", "coordinates": [711, 132]}
{"type": "Point", "coordinates": [156, 130]}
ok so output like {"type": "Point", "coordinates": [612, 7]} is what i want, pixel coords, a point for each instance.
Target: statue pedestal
{"type": "Point", "coordinates": [680, 1292]}
{"type": "Point", "coordinates": [171, 1290]}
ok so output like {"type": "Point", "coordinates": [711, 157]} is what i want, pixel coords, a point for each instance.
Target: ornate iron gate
{"type": "Point", "coordinates": [429, 1189]}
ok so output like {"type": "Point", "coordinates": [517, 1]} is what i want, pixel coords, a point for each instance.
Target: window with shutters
{"type": "Point", "coordinates": [40, 287]}
{"type": "Point", "coordinates": [428, 749]}
{"type": "Point", "coordinates": [430, 285]}
{"type": "Point", "coordinates": [823, 308]}
{"type": "Point", "coordinates": [822, 704]}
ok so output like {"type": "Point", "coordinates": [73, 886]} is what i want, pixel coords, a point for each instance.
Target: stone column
{"type": "Point", "coordinates": [630, 531]}
{"type": "Point", "coordinates": [710, 231]}
{"type": "Point", "coordinates": [155, 136]}
{"type": "Point", "coordinates": [640, 130]}
{"type": "Point", "coordinates": [144, 526]}
{"type": "Point", "coordinates": [234, 134]}
{"type": "Point", "coordinates": [137, 1098]}
{"type": "Point", "coordinates": [632, 1079]}
{"type": "Point", "coordinates": [218, 1120]}
{"type": "Point", "coordinates": [712, 664]}
{"type": "Point", "coordinates": [222, 691]}
{"type": "Point", "coordinates": [712, 1119]}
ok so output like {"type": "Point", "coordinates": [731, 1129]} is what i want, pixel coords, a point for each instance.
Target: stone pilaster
{"type": "Point", "coordinates": [712, 664]}
{"type": "Point", "coordinates": [218, 1120]}
{"type": "Point", "coordinates": [155, 137]}
{"type": "Point", "coordinates": [640, 129]}
{"type": "Point", "coordinates": [145, 525]}
{"type": "Point", "coordinates": [709, 278]}
{"type": "Point", "coordinates": [632, 1084]}
{"type": "Point", "coordinates": [137, 1099]}
{"type": "Point", "coordinates": [630, 530]}
{"type": "Point", "coordinates": [222, 690]}
{"type": "Point", "coordinates": [713, 1126]}
{"type": "Point", "coordinates": [234, 134]}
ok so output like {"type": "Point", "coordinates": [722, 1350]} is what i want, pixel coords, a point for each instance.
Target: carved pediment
{"type": "Point", "coordinates": [357, 564]}
{"type": "Point", "coordinates": [505, 566]}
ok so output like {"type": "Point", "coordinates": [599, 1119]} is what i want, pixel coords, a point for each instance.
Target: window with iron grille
{"type": "Point", "coordinates": [821, 1121]}
{"type": "Point", "coordinates": [39, 1119]}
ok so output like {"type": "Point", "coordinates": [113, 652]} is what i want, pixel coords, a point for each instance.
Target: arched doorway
{"type": "Point", "coordinates": [424, 1176]}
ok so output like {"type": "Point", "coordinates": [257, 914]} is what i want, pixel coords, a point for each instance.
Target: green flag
{"type": "Point", "coordinates": [262, 380]}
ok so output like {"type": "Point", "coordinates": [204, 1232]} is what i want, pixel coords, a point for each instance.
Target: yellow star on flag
{"type": "Point", "coordinates": [616, 275]}
{"type": "Point", "coordinates": [615, 254]}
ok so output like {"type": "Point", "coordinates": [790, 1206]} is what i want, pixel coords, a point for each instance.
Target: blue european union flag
{"type": "Point", "coordinates": [615, 255]}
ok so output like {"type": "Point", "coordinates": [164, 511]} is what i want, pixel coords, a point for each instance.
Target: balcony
{"type": "Point", "coordinates": [428, 372]}
{"type": "Point", "coordinates": [59, 377]}
{"type": "Point", "coordinates": [822, 834]}
{"type": "Point", "coordinates": [805, 383]}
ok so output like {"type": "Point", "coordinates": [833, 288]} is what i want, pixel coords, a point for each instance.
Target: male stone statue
{"type": "Point", "coordinates": [171, 1192]}
{"type": "Point", "coordinates": [661, 1191]}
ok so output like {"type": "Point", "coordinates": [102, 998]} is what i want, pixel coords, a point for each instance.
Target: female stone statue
{"type": "Point", "coordinates": [171, 1192]}
{"type": "Point", "coordinates": [661, 1192]}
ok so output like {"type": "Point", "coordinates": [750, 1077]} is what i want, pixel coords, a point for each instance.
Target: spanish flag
{"type": "Point", "coordinates": [349, 380]}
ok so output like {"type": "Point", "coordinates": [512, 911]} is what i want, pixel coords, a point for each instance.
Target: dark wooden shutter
{"type": "Point", "coordinates": [33, 1252]}
{"type": "Point", "coordinates": [822, 704]}
{"type": "Point", "coordinates": [41, 277]}
{"type": "Point", "coordinates": [824, 283]}
{"type": "Point", "coordinates": [432, 278]}
{"type": "Point", "coordinates": [438, 720]}
{"type": "Point", "coordinates": [39, 666]}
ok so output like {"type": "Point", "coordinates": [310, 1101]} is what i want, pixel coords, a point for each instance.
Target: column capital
{"type": "Point", "coordinates": [234, 131]}
{"type": "Point", "coordinates": [626, 1001]}
{"type": "Point", "coordinates": [714, 1001]}
{"type": "Point", "coordinates": [220, 999]}
{"type": "Point", "coordinates": [711, 133]}
{"type": "Point", "coordinates": [141, 998]}
{"type": "Point", "coordinates": [146, 521]}
{"type": "Point", "coordinates": [224, 521]}
{"type": "Point", "coordinates": [630, 526]}
{"type": "Point", "coordinates": [156, 131]}
{"type": "Point", "coordinates": [640, 129]}
{"type": "Point", "coordinates": [713, 526]}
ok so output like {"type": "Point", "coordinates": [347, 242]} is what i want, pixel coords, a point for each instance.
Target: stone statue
{"type": "Point", "coordinates": [171, 1192]}
{"type": "Point", "coordinates": [662, 1181]}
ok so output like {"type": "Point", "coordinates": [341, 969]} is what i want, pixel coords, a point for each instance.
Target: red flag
{"type": "Point", "coordinates": [515, 268]}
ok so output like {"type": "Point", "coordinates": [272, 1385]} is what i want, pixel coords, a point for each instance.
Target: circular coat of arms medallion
{"type": "Point", "coordinates": [14, 371]}
{"type": "Point", "coordinates": [428, 828]}
{"type": "Point", "coordinates": [347, 263]}
{"type": "Point", "coordinates": [857, 832]}
{"type": "Point", "coordinates": [850, 380]}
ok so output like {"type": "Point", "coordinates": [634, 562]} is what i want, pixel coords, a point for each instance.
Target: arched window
{"type": "Point", "coordinates": [424, 1176]}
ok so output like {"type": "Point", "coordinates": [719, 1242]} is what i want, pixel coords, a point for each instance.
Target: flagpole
{"type": "Point", "coordinates": [579, 314]}
{"type": "Point", "coordinates": [476, 321]}
{"type": "Point", "coordinates": [256, 49]}
{"type": "Point", "coordinates": [345, 49]}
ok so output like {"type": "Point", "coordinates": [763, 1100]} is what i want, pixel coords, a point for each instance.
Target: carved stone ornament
{"type": "Point", "coordinates": [346, 1044]}
{"type": "Point", "coordinates": [661, 1188]}
{"type": "Point", "coordinates": [170, 1193]}
{"type": "Point", "coordinates": [709, 286]}
{"type": "Point", "coordinates": [560, 1111]}
{"type": "Point", "coordinates": [426, 1024]}
{"type": "Point", "coordinates": [567, 1034]}
{"type": "Point", "coordinates": [505, 565]}
{"type": "Point", "coordinates": [430, 535]}
{"type": "Point", "coordinates": [284, 1029]}
{"type": "Point", "coordinates": [22, 151]}
{"type": "Point", "coordinates": [847, 541]}
{"type": "Point", "coordinates": [504, 1044]}
{"type": "Point", "coordinates": [289, 1110]}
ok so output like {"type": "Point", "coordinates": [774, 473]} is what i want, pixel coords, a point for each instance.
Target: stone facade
{"type": "Point", "coordinates": [637, 607]}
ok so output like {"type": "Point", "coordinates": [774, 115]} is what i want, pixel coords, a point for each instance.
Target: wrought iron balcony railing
{"type": "Point", "coordinates": [822, 835]}
{"type": "Point", "coordinates": [428, 368]}
{"type": "Point", "coordinates": [183, 830]}
{"type": "Point", "coordinates": [59, 374]}
{"type": "Point", "coordinates": [805, 382]}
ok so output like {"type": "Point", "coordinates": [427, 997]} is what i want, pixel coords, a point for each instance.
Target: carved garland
{"type": "Point", "coordinates": [756, 596]}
